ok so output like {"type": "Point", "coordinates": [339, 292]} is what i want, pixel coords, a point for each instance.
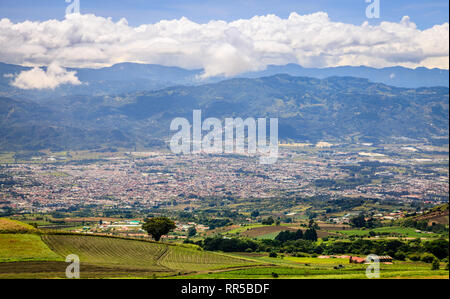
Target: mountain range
{"type": "Point", "coordinates": [133, 77]}
{"type": "Point", "coordinates": [336, 109]}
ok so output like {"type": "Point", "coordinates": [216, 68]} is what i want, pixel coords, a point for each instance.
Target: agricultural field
{"type": "Point", "coordinates": [26, 252]}
{"type": "Point", "coordinates": [317, 268]}
{"type": "Point", "coordinates": [140, 254]}
{"type": "Point", "coordinates": [25, 247]}
{"type": "Point", "coordinates": [404, 232]}
{"type": "Point", "coordinates": [267, 231]}
{"type": "Point", "coordinates": [103, 257]}
{"type": "Point", "coordinates": [259, 231]}
{"type": "Point", "coordinates": [6, 157]}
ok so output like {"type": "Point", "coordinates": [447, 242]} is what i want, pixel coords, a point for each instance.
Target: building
{"type": "Point", "coordinates": [360, 260]}
{"type": "Point", "coordinates": [356, 260]}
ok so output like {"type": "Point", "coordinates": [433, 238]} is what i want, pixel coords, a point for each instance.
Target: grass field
{"type": "Point", "coordinates": [315, 268]}
{"type": "Point", "coordinates": [406, 232]}
{"type": "Point", "coordinates": [25, 247]}
{"type": "Point", "coordinates": [13, 226]}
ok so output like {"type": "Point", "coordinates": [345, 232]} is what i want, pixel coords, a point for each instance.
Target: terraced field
{"type": "Point", "coordinates": [195, 260]}
{"type": "Point", "coordinates": [140, 255]}
{"type": "Point", "coordinates": [108, 251]}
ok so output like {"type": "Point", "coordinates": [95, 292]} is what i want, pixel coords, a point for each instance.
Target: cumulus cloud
{"type": "Point", "coordinates": [224, 48]}
{"type": "Point", "coordinates": [37, 78]}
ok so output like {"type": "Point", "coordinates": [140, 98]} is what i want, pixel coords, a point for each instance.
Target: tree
{"type": "Point", "coordinates": [255, 214]}
{"type": "Point", "coordinates": [192, 231]}
{"type": "Point", "coordinates": [435, 265]}
{"type": "Point", "coordinates": [358, 221]}
{"type": "Point", "coordinates": [158, 226]}
{"type": "Point", "coordinates": [285, 236]}
{"type": "Point", "coordinates": [313, 224]}
{"type": "Point", "coordinates": [439, 248]}
{"type": "Point", "coordinates": [400, 255]}
{"type": "Point", "coordinates": [268, 221]}
{"type": "Point", "coordinates": [427, 257]}
{"type": "Point", "coordinates": [310, 234]}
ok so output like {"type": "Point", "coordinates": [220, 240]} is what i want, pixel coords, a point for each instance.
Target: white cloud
{"type": "Point", "coordinates": [224, 48]}
{"type": "Point", "coordinates": [37, 78]}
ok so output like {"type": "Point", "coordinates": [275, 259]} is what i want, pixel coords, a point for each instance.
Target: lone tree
{"type": "Point", "coordinates": [435, 265]}
{"type": "Point", "coordinates": [158, 226]}
{"type": "Point", "coordinates": [192, 231]}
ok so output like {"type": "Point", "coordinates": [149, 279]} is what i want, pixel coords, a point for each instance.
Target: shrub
{"type": "Point", "coordinates": [428, 257]}
{"type": "Point", "coordinates": [273, 254]}
{"type": "Point", "coordinates": [400, 255]}
{"type": "Point", "coordinates": [435, 265]}
{"type": "Point", "coordinates": [415, 257]}
{"type": "Point", "coordinates": [301, 254]}
{"type": "Point", "coordinates": [274, 275]}
{"type": "Point", "coordinates": [438, 248]}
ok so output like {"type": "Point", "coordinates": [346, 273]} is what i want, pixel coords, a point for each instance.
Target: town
{"type": "Point", "coordinates": [147, 180]}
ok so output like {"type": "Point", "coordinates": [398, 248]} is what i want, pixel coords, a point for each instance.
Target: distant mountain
{"type": "Point", "coordinates": [339, 109]}
{"type": "Point", "coordinates": [134, 71]}
{"type": "Point", "coordinates": [117, 79]}
{"type": "Point", "coordinates": [394, 76]}
{"type": "Point", "coordinates": [131, 77]}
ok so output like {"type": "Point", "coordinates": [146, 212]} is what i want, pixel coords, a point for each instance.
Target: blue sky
{"type": "Point", "coordinates": [319, 33]}
{"type": "Point", "coordinates": [424, 13]}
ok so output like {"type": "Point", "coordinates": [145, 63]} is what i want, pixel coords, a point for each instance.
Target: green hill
{"type": "Point", "coordinates": [14, 227]}
{"type": "Point", "coordinates": [140, 254]}
{"type": "Point", "coordinates": [35, 256]}
{"type": "Point", "coordinates": [25, 247]}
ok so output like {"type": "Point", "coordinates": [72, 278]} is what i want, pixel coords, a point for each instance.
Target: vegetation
{"type": "Point", "coordinates": [134, 254]}
{"type": "Point", "coordinates": [25, 247]}
{"type": "Point", "coordinates": [288, 256]}
{"type": "Point", "coordinates": [13, 226]}
{"type": "Point", "coordinates": [158, 226]}
{"type": "Point", "coordinates": [234, 251]}
{"type": "Point", "coordinates": [327, 113]}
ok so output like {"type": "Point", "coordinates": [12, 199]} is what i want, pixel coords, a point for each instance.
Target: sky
{"type": "Point", "coordinates": [424, 13]}
{"type": "Point", "coordinates": [224, 38]}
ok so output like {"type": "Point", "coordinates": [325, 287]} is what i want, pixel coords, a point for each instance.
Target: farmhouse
{"type": "Point", "coordinates": [385, 259]}
{"type": "Point", "coordinates": [360, 260]}
{"type": "Point", "coordinates": [356, 260]}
